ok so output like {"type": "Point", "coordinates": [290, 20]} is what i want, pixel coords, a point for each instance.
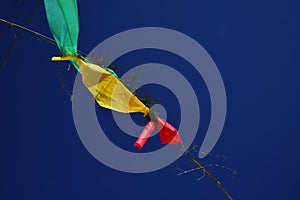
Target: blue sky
{"type": "Point", "coordinates": [255, 45]}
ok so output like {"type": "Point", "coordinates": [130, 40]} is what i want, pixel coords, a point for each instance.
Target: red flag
{"type": "Point", "coordinates": [140, 142]}
{"type": "Point", "coordinates": [168, 134]}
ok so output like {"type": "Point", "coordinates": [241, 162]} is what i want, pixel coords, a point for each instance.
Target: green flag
{"type": "Point", "coordinates": [62, 17]}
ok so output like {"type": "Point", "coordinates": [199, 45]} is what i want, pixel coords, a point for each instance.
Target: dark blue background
{"type": "Point", "coordinates": [255, 45]}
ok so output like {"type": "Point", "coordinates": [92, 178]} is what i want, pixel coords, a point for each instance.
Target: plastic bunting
{"type": "Point", "coordinates": [103, 84]}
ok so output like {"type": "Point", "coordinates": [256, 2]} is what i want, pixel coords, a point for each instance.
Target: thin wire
{"type": "Point", "coordinates": [46, 38]}
{"type": "Point", "coordinates": [9, 48]}
{"type": "Point", "coordinates": [14, 43]}
{"type": "Point", "coordinates": [218, 183]}
{"type": "Point", "coordinates": [29, 30]}
{"type": "Point", "coordinates": [200, 166]}
{"type": "Point", "coordinates": [3, 33]}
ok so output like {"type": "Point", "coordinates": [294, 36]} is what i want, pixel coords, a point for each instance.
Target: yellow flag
{"type": "Point", "coordinates": [108, 91]}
